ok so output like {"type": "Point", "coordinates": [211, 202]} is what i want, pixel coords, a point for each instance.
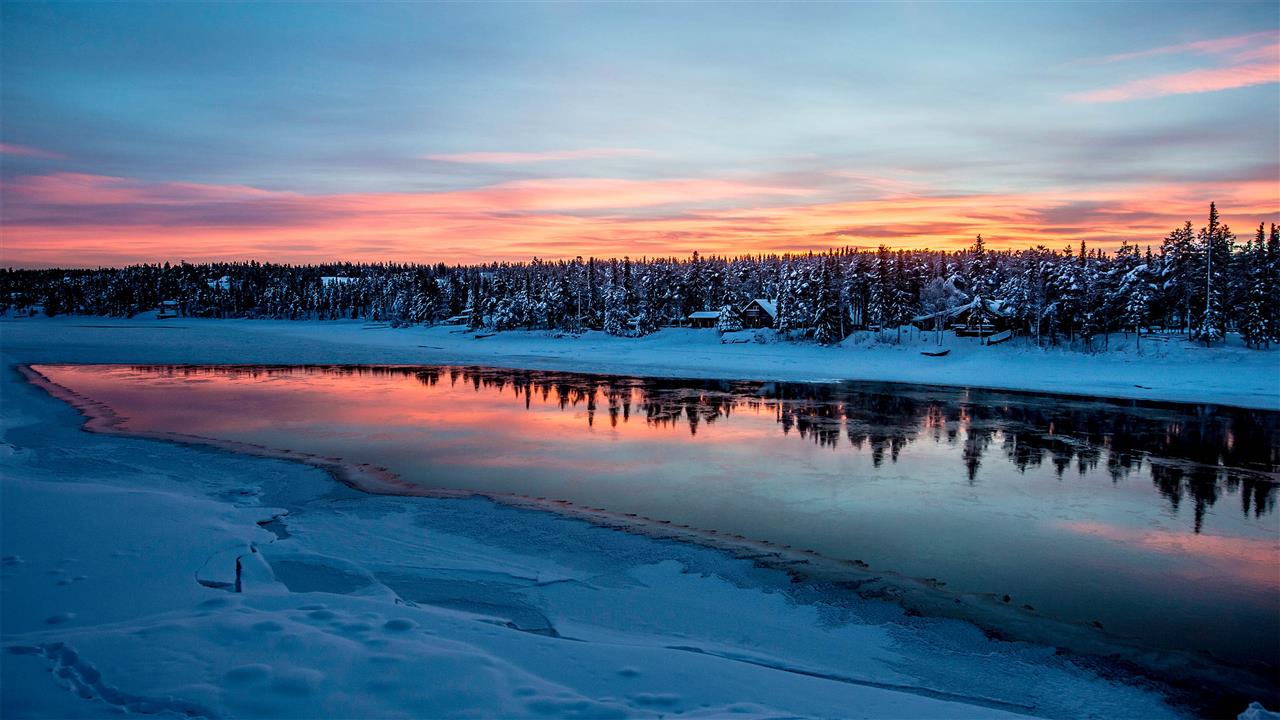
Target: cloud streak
{"type": "Point", "coordinates": [28, 151]}
{"type": "Point", "coordinates": [1234, 45]}
{"type": "Point", "coordinates": [111, 220]}
{"type": "Point", "coordinates": [1241, 61]}
{"type": "Point", "coordinates": [518, 158]}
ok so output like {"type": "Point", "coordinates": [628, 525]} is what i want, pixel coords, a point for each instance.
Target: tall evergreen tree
{"type": "Point", "coordinates": [828, 325]}
{"type": "Point", "coordinates": [1254, 292]}
{"type": "Point", "coordinates": [1215, 242]}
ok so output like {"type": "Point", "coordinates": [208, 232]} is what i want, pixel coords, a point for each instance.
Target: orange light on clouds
{"type": "Point", "coordinates": [79, 219]}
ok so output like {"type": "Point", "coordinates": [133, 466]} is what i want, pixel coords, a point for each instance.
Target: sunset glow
{"type": "Point", "coordinates": [557, 134]}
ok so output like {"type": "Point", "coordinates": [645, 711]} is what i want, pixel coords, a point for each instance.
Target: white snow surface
{"type": "Point", "coordinates": [1162, 367]}
{"type": "Point", "coordinates": [118, 589]}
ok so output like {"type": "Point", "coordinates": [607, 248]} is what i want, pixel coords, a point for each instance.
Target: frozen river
{"type": "Point", "coordinates": [1122, 524]}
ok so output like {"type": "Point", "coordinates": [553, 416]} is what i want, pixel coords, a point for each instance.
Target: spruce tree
{"type": "Point", "coordinates": [1254, 293]}
{"type": "Point", "coordinates": [828, 325]}
{"type": "Point", "coordinates": [1215, 242]}
{"type": "Point", "coordinates": [1178, 255]}
{"type": "Point", "coordinates": [1271, 271]}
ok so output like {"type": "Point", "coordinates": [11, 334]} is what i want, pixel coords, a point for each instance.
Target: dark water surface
{"type": "Point", "coordinates": [1156, 522]}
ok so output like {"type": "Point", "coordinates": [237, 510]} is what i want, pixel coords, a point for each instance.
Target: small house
{"type": "Point", "coordinates": [704, 318]}
{"type": "Point", "coordinates": [760, 313]}
{"type": "Point", "coordinates": [980, 318]}
{"type": "Point", "coordinates": [462, 318]}
{"type": "Point", "coordinates": [167, 309]}
{"type": "Point", "coordinates": [977, 318]}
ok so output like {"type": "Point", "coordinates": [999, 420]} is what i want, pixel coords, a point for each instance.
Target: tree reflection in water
{"type": "Point", "coordinates": [1192, 453]}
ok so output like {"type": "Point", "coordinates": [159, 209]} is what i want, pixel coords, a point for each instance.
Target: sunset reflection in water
{"type": "Point", "coordinates": [1088, 510]}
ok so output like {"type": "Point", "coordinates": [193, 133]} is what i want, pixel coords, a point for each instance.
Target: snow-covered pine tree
{"type": "Point", "coordinates": [828, 322]}
{"type": "Point", "coordinates": [1179, 261]}
{"type": "Point", "coordinates": [880, 288]}
{"type": "Point", "coordinates": [1271, 264]}
{"type": "Point", "coordinates": [1253, 292]}
{"type": "Point", "coordinates": [1092, 297]}
{"type": "Point", "coordinates": [729, 320]}
{"type": "Point", "coordinates": [980, 275]}
{"type": "Point", "coordinates": [938, 298]}
{"type": "Point", "coordinates": [647, 308]}
{"type": "Point", "coordinates": [617, 316]}
{"type": "Point", "coordinates": [902, 301]}
{"type": "Point", "coordinates": [1215, 242]}
{"type": "Point", "coordinates": [1134, 299]}
{"type": "Point", "coordinates": [1067, 292]}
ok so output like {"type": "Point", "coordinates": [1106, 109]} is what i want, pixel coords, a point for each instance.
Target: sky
{"type": "Point", "coordinates": [458, 132]}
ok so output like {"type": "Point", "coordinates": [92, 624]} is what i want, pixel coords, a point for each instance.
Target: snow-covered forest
{"type": "Point", "coordinates": [1202, 282]}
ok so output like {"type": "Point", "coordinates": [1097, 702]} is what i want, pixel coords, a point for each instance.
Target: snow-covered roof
{"type": "Point", "coordinates": [769, 306]}
{"type": "Point", "coordinates": [995, 307]}
{"type": "Point", "coordinates": [704, 315]}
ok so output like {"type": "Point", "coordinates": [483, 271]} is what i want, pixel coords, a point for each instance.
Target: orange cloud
{"type": "Point", "coordinates": [511, 158]}
{"type": "Point", "coordinates": [80, 219]}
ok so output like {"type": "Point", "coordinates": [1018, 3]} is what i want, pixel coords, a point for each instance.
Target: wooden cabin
{"type": "Point", "coordinates": [977, 318]}
{"type": "Point", "coordinates": [980, 319]}
{"type": "Point", "coordinates": [704, 318]}
{"type": "Point", "coordinates": [167, 309]}
{"type": "Point", "coordinates": [760, 313]}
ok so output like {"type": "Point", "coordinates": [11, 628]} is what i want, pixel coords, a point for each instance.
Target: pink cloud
{"type": "Point", "coordinates": [1242, 61]}
{"type": "Point", "coordinates": [1233, 45]}
{"type": "Point", "coordinates": [86, 189]}
{"type": "Point", "coordinates": [28, 151]}
{"type": "Point", "coordinates": [1183, 83]}
{"type": "Point", "coordinates": [513, 158]}
{"type": "Point", "coordinates": [86, 220]}
{"type": "Point", "coordinates": [560, 194]}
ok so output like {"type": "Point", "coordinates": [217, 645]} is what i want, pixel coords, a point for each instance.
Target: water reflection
{"type": "Point", "coordinates": [1154, 521]}
{"type": "Point", "coordinates": [1193, 453]}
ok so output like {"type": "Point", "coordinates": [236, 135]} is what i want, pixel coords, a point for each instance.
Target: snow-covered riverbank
{"type": "Point", "coordinates": [120, 577]}
{"type": "Point", "coordinates": [1161, 368]}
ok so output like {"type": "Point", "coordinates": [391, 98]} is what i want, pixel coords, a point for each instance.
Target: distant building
{"type": "Point", "coordinates": [977, 318]}
{"type": "Point", "coordinates": [462, 318]}
{"type": "Point", "coordinates": [704, 318]}
{"type": "Point", "coordinates": [760, 313]}
{"type": "Point", "coordinates": [167, 309]}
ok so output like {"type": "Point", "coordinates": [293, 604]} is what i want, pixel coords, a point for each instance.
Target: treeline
{"type": "Point", "coordinates": [1202, 282]}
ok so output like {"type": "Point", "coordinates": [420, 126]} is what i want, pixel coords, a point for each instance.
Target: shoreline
{"type": "Point", "coordinates": [1178, 674]}
{"type": "Point", "coordinates": [1168, 369]}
